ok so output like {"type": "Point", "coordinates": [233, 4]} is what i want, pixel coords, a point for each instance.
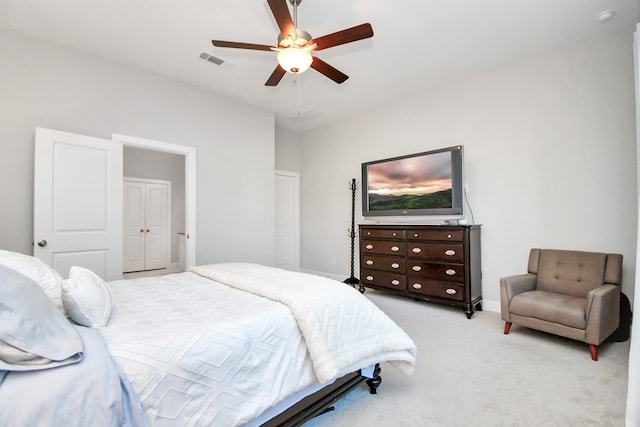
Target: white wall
{"type": "Point", "coordinates": [287, 150]}
{"type": "Point", "coordinates": [46, 85]}
{"type": "Point", "coordinates": [549, 155]}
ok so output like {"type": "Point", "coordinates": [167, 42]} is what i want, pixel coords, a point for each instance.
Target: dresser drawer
{"type": "Point", "coordinates": [382, 233]}
{"type": "Point", "coordinates": [434, 288]}
{"type": "Point", "coordinates": [449, 272]}
{"type": "Point", "coordinates": [383, 263]}
{"type": "Point", "coordinates": [384, 247]}
{"type": "Point", "coordinates": [386, 280]}
{"type": "Point", "coordinates": [443, 235]}
{"type": "Point", "coordinates": [453, 252]}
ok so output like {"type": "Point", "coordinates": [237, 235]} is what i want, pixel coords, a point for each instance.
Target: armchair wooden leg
{"type": "Point", "coordinates": [594, 352]}
{"type": "Point", "coordinates": [507, 327]}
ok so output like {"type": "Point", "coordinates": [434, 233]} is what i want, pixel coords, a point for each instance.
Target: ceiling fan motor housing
{"type": "Point", "coordinates": [287, 40]}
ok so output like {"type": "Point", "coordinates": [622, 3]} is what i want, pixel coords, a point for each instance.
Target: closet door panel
{"type": "Point", "coordinates": [134, 229]}
{"type": "Point", "coordinates": [157, 226]}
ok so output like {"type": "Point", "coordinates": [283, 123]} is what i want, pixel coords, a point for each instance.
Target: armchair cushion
{"type": "Point", "coordinates": [572, 273]}
{"type": "Point", "coordinates": [557, 308]}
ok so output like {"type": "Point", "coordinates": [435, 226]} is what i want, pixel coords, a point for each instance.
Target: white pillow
{"type": "Point", "coordinates": [86, 297]}
{"type": "Point", "coordinates": [32, 267]}
{"type": "Point", "coordinates": [33, 334]}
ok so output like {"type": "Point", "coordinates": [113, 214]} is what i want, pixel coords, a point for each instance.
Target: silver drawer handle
{"type": "Point", "coordinates": [449, 236]}
{"type": "Point", "coordinates": [450, 252]}
{"type": "Point", "coordinates": [368, 233]}
{"type": "Point", "coordinates": [395, 265]}
{"type": "Point", "coordinates": [416, 250]}
{"type": "Point", "coordinates": [451, 291]}
{"type": "Point", "coordinates": [395, 234]}
{"type": "Point", "coordinates": [395, 248]}
{"type": "Point", "coordinates": [417, 286]}
{"type": "Point", "coordinates": [416, 268]}
{"type": "Point", "coordinates": [450, 272]}
{"type": "Point", "coordinates": [395, 282]}
{"type": "Point", "coordinates": [369, 278]}
{"type": "Point", "coordinates": [415, 234]}
{"type": "Point", "coordinates": [369, 262]}
{"type": "Point", "coordinates": [369, 246]}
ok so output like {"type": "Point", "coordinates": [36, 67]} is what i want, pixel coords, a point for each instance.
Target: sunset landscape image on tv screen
{"type": "Point", "coordinates": [422, 182]}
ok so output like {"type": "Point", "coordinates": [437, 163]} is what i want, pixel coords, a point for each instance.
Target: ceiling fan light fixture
{"type": "Point", "coordinates": [295, 60]}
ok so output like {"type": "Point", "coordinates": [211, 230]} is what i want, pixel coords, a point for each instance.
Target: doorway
{"type": "Point", "coordinates": [102, 161]}
{"type": "Point", "coordinates": [188, 157]}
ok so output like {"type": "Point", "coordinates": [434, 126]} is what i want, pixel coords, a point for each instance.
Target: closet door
{"type": "Point", "coordinates": [134, 226]}
{"type": "Point", "coordinates": [146, 225]}
{"type": "Point", "coordinates": [156, 235]}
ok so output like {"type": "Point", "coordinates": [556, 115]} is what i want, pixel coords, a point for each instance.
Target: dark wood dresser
{"type": "Point", "coordinates": [439, 263]}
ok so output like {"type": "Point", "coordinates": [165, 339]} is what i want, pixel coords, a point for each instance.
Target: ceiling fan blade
{"type": "Point", "coordinates": [281, 13]}
{"type": "Point", "coordinates": [359, 32]}
{"type": "Point", "coordinates": [329, 71]}
{"type": "Point", "coordinates": [238, 45]}
{"type": "Point", "coordinates": [276, 76]}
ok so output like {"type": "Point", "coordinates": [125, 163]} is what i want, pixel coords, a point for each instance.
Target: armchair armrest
{"type": "Point", "coordinates": [603, 313]}
{"type": "Point", "coordinates": [511, 286]}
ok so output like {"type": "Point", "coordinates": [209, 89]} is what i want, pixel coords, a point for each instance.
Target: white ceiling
{"type": "Point", "coordinates": [417, 43]}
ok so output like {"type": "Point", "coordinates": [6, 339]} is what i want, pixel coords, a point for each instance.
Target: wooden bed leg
{"type": "Point", "coordinates": [375, 382]}
{"type": "Point", "coordinates": [507, 327]}
{"type": "Point", "coordinates": [594, 352]}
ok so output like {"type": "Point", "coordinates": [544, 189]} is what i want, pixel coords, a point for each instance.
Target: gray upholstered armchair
{"type": "Point", "coordinates": [573, 294]}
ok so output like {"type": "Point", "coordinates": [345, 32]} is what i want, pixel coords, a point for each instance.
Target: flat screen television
{"type": "Point", "coordinates": [428, 184]}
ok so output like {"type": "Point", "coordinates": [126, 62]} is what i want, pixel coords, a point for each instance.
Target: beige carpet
{"type": "Point", "coordinates": [469, 373]}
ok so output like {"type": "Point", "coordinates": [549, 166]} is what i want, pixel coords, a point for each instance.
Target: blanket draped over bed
{"type": "Point", "coordinates": [343, 330]}
{"type": "Point", "coordinates": [93, 392]}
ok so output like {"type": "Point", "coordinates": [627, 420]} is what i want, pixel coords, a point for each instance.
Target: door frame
{"type": "Point", "coordinates": [189, 154]}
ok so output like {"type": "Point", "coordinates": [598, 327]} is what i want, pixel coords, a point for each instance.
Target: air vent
{"type": "Point", "coordinates": [211, 58]}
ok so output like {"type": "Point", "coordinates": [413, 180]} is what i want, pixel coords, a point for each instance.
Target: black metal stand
{"type": "Point", "coordinates": [353, 281]}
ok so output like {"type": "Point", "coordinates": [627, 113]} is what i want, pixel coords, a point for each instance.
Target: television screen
{"type": "Point", "coordinates": [428, 183]}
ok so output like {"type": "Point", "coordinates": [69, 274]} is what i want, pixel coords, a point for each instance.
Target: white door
{"type": "Point", "coordinates": [134, 226]}
{"type": "Point", "coordinates": [78, 203]}
{"type": "Point", "coordinates": [287, 190]}
{"type": "Point", "coordinates": [146, 224]}
{"type": "Point", "coordinates": [157, 233]}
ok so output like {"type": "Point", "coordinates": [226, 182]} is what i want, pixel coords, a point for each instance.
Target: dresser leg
{"type": "Point", "coordinates": [469, 311]}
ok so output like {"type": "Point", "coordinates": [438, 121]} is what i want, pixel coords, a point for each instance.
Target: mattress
{"type": "Point", "coordinates": [200, 353]}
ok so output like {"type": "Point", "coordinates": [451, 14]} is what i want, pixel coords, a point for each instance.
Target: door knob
{"type": "Point", "coordinates": [42, 243]}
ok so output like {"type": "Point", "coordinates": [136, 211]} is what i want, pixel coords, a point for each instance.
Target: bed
{"type": "Point", "coordinates": [224, 344]}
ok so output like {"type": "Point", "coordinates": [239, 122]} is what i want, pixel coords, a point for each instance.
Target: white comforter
{"type": "Point", "coordinates": [199, 353]}
{"type": "Point", "coordinates": [343, 330]}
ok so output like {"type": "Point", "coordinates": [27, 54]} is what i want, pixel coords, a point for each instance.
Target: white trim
{"type": "Point", "coordinates": [189, 154]}
{"type": "Point", "coordinates": [632, 417]}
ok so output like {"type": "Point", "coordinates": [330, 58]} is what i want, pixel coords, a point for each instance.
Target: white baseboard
{"type": "Point", "coordinates": [492, 306]}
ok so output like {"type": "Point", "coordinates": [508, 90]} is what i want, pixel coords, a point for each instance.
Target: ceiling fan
{"type": "Point", "coordinates": [295, 45]}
